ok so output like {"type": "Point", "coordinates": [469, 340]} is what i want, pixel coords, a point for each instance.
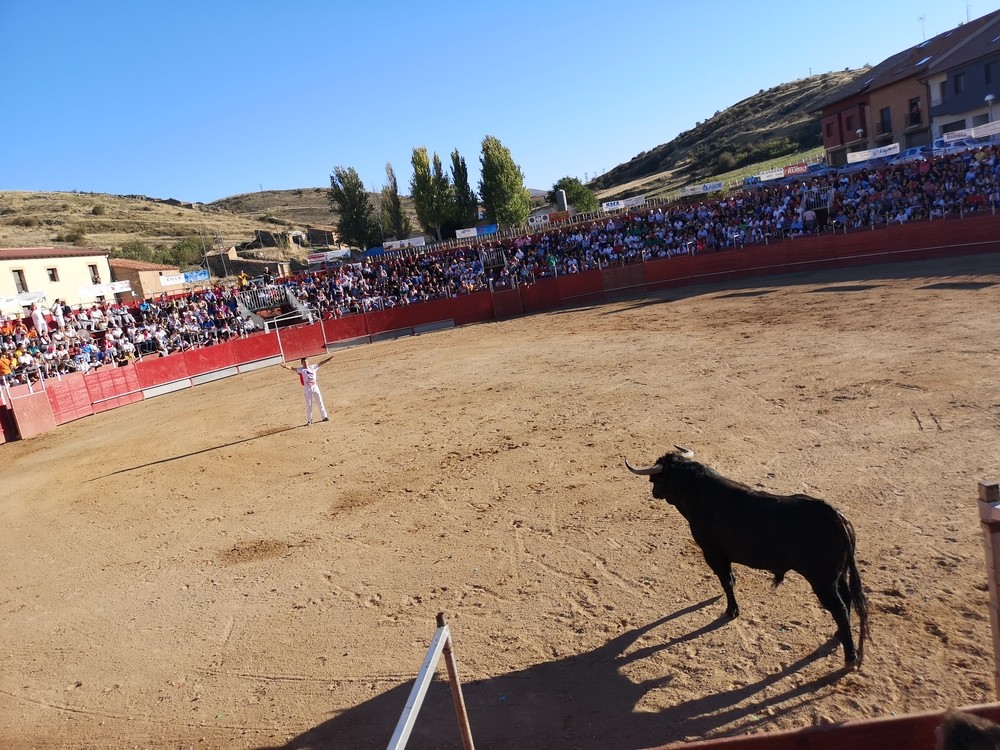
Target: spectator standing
{"type": "Point", "coordinates": [38, 320]}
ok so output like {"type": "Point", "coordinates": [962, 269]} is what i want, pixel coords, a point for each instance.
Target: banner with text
{"type": "Point", "coordinates": [327, 257]}
{"type": "Point", "coordinates": [708, 187]}
{"type": "Point", "coordinates": [476, 231]}
{"type": "Point", "coordinates": [403, 244]}
{"type": "Point", "coordinates": [21, 300]}
{"type": "Point", "coordinates": [624, 203]}
{"type": "Point", "coordinates": [103, 290]}
{"type": "Point", "coordinates": [873, 153]}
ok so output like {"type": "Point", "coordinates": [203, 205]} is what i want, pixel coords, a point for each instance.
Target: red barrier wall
{"type": "Point", "coordinates": [302, 341]}
{"type": "Point", "coordinates": [209, 359]}
{"type": "Point", "coordinates": [580, 287]}
{"type": "Point", "coordinates": [252, 348]}
{"type": "Point", "coordinates": [112, 388]}
{"type": "Point", "coordinates": [154, 371]}
{"type": "Point", "coordinates": [542, 295]}
{"type": "Point", "coordinates": [69, 398]}
{"type": "Point", "coordinates": [464, 309]}
{"type": "Point", "coordinates": [33, 415]}
{"type": "Point", "coordinates": [8, 430]}
{"type": "Point", "coordinates": [506, 304]}
{"type": "Point", "coordinates": [622, 280]}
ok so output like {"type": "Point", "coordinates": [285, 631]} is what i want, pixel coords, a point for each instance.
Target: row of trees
{"type": "Point", "coordinates": [443, 201]}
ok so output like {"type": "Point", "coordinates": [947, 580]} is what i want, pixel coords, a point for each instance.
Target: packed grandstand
{"type": "Point", "coordinates": [60, 340]}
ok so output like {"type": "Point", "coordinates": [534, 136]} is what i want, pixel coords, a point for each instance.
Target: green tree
{"type": "Point", "coordinates": [395, 221]}
{"type": "Point", "coordinates": [466, 204]}
{"type": "Point", "coordinates": [505, 197]}
{"type": "Point", "coordinates": [134, 250]}
{"type": "Point", "coordinates": [186, 253]}
{"type": "Point", "coordinates": [578, 195]}
{"type": "Point", "coordinates": [357, 222]}
{"type": "Point", "coordinates": [431, 190]}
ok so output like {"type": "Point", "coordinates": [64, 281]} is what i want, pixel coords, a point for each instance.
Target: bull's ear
{"type": "Point", "coordinates": [685, 452]}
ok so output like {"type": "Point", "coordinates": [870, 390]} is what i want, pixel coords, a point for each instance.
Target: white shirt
{"type": "Point", "coordinates": [307, 375]}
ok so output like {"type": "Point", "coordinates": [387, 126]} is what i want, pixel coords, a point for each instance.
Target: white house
{"type": "Point", "coordinates": [74, 274]}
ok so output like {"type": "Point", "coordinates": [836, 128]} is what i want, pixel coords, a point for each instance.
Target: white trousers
{"type": "Point", "coordinates": [312, 393]}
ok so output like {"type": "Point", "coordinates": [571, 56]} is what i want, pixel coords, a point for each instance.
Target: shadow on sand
{"type": "Point", "coordinates": [582, 702]}
{"type": "Point", "coordinates": [262, 434]}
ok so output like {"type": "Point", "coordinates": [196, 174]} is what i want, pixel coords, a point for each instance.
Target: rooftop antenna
{"type": "Point", "coordinates": [967, 4]}
{"type": "Point", "coordinates": [923, 31]}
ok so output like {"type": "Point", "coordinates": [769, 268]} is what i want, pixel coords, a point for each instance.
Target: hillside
{"type": "Point", "coordinates": [32, 219]}
{"type": "Point", "coordinates": [773, 123]}
{"type": "Point", "coordinates": [770, 124]}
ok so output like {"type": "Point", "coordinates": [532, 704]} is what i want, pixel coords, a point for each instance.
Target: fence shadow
{"type": "Point", "coordinates": [583, 702]}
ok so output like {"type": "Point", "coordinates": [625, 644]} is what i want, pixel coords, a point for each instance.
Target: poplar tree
{"type": "Point", "coordinates": [395, 221]}
{"type": "Point", "coordinates": [505, 197]}
{"type": "Point", "coordinates": [357, 222]}
{"type": "Point", "coordinates": [466, 212]}
{"type": "Point", "coordinates": [431, 191]}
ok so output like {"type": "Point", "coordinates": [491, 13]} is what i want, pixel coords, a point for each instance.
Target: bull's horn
{"type": "Point", "coordinates": [685, 452]}
{"type": "Point", "coordinates": [644, 470]}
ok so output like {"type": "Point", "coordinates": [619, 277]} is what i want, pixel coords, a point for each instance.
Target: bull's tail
{"type": "Point", "coordinates": [857, 591]}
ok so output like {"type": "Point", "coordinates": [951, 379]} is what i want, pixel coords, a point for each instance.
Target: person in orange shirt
{"type": "Point", "coordinates": [6, 366]}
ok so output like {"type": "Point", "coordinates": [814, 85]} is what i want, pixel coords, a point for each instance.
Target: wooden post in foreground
{"type": "Point", "coordinates": [989, 517]}
{"type": "Point", "coordinates": [441, 644]}
{"type": "Point", "coordinates": [456, 689]}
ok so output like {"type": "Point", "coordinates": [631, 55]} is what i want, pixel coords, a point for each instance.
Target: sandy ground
{"type": "Point", "coordinates": [204, 571]}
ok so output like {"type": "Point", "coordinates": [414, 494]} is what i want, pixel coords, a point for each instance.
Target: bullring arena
{"type": "Point", "coordinates": [201, 570]}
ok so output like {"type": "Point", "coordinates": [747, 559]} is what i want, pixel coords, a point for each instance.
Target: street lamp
{"type": "Point", "coordinates": [989, 103]}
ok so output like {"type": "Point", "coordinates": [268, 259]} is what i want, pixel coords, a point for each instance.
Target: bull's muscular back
{"type": "Point", "coordinates": [761, 530]}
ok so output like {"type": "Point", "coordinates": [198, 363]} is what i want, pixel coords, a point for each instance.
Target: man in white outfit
{"type": "Point", "coordinates": [307, 376]}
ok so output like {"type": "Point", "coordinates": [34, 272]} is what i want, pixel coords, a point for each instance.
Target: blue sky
{"type": "Point", "coordinates": [202, 100]}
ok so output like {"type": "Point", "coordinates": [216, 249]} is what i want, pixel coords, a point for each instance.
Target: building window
{"type": "Point", "coordinates": [943, 90]}
{"type": "Point", "coordinates": [53, 274]}
{"type": "Point", "coordinates": [988, 70]}
{"type": "Point", "coordinates": [849, 123]}
{"type": "Point", "coordinates": [19, 284]}
{"type": "Point", "coordinates": [95, 276]}
{"type": "Point", "coordinates": [913, 114]}
{"type": "Point", "coordinates": [884, 121]}
{"type": "Point", "coordinates": [959, 83]}
{"type": "Point", "coordinates": [829, 130]}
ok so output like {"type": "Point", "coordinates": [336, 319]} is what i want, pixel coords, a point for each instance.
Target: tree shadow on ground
{"type": "Point", "coordinates": [582, 702]}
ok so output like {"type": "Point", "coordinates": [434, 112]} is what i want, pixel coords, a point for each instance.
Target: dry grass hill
{"type": "Point", "coordinates": [775, 123]}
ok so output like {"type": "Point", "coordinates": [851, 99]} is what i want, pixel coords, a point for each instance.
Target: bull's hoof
{"type": "Point", "coordinates": [733, 613]}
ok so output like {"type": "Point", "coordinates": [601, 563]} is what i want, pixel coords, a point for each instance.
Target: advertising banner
{"type": "Point", "coordinates": [708, 187]}
{"type": "Point", "coordinates": [873, 153]}
{"type": "Point", "coordinates": [98, 290]}
{"type": "Point", "coordinates": [402, 244]}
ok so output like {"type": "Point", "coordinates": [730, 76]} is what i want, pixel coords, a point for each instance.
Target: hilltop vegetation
{"type": "Point", "coordinates": [778, 122]}
{"type": "Point", "coordinates": [775, 123]}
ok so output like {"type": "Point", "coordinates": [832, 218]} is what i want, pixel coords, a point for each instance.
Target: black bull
{"type": "Point", "coordinates": [733, 523]}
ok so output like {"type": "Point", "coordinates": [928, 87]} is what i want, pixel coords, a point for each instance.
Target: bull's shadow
{"type": "Point", "coordinates": [581, 702]}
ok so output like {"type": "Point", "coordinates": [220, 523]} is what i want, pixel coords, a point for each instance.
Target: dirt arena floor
{"type": "Point", "coordinates": [204, 571]}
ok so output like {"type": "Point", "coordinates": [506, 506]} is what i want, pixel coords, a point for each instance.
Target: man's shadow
{"type": "Point", "coordinates": [582, 702]}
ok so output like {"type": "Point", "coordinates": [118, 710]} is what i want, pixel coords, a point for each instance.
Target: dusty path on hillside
{"type": "Point", "coordinates": [201, 570]}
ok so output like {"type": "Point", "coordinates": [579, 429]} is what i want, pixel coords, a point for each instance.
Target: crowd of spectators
{"type": "Point", "coordinates": [110, 334]}
{"type": "Point", "coordinates": [836, 202]}
{"type": "Point", "coordinates": [60, 340]}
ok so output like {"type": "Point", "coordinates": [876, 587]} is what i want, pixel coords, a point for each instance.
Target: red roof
{"type": "Point", "coordinates": [36, 253]}
{"type": "Point", "coordinates": [139, 265]}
